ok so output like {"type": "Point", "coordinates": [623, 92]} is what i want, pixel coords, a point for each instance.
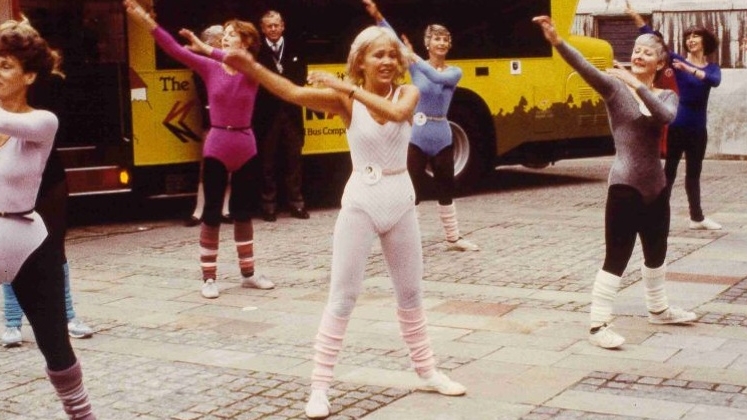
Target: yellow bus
{"type": "Point", "coordinates": [132, 120]}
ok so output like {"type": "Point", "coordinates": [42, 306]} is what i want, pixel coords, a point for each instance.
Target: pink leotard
{"type": "Point", "coordinates": [231, 98]}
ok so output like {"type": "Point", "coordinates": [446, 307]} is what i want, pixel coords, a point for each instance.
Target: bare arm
{"type": "Point", "coordinates": [139, 15]}
{"type": "Point", "coordinates": [373, 10]}
{"type": "Point", "coordinates": [637, 19]}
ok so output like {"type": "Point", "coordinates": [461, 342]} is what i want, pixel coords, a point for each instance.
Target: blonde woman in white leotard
{"type": "Point", "coordinates": [379, 199]}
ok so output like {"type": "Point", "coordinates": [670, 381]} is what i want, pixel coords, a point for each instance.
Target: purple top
{"type": "Point", "coordinates": [231, 98]}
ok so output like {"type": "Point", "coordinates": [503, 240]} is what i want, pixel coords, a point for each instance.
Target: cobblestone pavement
{"type": "Point", "coordinates": [509, 321]}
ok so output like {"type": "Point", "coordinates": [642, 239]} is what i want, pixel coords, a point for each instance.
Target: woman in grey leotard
{"type": "Point", "coordinates": [637, 202]}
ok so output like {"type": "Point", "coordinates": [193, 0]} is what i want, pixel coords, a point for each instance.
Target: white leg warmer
{"type": "Point", "coordinates": [412, 326]}
{"type": "Point", "coordinates": [603, 295]}
{"type": "Point", "coordinates": [449, 221]}
{"type": "Point", "coordinates": [653, 282]}
{"type": "Point", "coordinates": [328, 345]}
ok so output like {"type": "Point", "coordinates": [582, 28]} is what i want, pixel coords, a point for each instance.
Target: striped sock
{"type": "Point", "coordinates": [243, 235]}
{"type": "Point", "coordinates": [68, 384]}
{"type": "Point", "coordinates": [209, 237]}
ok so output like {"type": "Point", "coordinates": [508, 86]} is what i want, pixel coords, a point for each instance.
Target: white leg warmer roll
{"type": "Point", "coordinates": [449, 221]}
{"type": "Point", "coordinates": [653, 282]}
{"type": "Point", "coordinates": [328, 345]}
{"type": "Point", "coordinates": [412, 326]}
{"type": "Point", "coordinates": [603, 295]}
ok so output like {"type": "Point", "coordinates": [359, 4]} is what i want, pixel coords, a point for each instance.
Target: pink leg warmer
{"type": "Point", "coordinates": [243, 235]}
{"type": "Point", "coordinates": [69, 386]}
{"type": "Point", "coordinates": [412, 326]}
{"type": "Point", "coordinates": [328, 345]}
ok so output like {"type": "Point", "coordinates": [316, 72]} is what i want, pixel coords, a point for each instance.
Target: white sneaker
{"type": "Point", "coordinates": [705, 224]}
{"type": "Point", "coordinates": [461, 244]}
{"type": "Point", "coordinates": [439, 382]}
{"type": "Point", "coordinates": [210, 289]}
{"type": "Point", "coordinates": [257, 282]}
{"type": "Point", "coordinates": [77, 329]}
{"type": "Point", "coordinates": [12, 337]}
{"type": "Point", "coordinates": [606, 338]}
{"type": "Point", "coordinates": [318, 405]}
{"type": "Point", "coordinates": [672, 315]}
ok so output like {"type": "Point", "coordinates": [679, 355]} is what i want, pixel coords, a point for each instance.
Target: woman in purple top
{"type": "Point", "coordinates": [637, 198]}
{"type": "Point", "coordinates": [229, 145]}
{"type": "Point", "coordinates": [688, 133]}
{"type": "Point", "coordinates": [431, 140]}
{"type": "Point", "coordinates": [29, 257]}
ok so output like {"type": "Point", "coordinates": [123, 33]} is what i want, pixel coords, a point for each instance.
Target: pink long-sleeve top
{"type": "Point", "coordinates": [231, 98]}
{"type": "Point", "coordinates": [22, 161]}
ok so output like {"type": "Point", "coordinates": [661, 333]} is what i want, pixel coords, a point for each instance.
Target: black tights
{"type": "Point", "coordinates": [443, 172]}
{"type": "Point", "coordinates": [627, 215]}
{"type": "Point", "coordinates": [215, 178]}
{"type": "Point", "coordinates": [693, 144]}
{"type": "Point", "coordinates": [40, 289]}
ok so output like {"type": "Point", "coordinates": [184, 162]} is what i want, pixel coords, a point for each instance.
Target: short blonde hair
{"type": "Point", "coordinates": [435, 30]}
{"type": "Point", "coordinates": [360, 46]}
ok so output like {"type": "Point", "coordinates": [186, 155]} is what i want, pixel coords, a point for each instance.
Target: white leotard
{"type": "Point", "coordinates": [22, 161]}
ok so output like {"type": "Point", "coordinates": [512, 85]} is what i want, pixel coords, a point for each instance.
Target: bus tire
{"type": "Point", "coordinates": [473, 153]}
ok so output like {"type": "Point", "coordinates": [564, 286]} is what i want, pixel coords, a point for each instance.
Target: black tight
{"type": "Point", "coordinates": [40, 289]}
{"type": "Point", "coordinates": [693, 144]}
{"type": "Point", "coordinates": [215, 178]}
{"type": "Point", "coordinates": [443, 172]}
{"type": "Point", "coordinates": [626, 215]}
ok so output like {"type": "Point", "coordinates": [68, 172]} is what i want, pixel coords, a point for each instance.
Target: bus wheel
{"type": "Point", "coordinates": [469, 165]}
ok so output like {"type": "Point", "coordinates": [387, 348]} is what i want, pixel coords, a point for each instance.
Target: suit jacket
{"type": "Point", "coordinates": [294, 68]}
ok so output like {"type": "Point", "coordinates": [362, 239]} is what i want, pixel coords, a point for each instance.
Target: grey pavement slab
{"type": "Point", "coordinates": [510, 321]}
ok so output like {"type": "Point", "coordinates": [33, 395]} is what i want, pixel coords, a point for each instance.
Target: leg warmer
{"type": "Point", "coordinates": [209, 237]}
{"type": "Point", "coordinates": [448, 217]}
{"type": "Point", "coordinates": [656, 294]}
{"type": "Point", "coordinates": [243, 235]}
{"type": "Point", "coordinates": [68, 384]}
{"type": "Point", "coordinates": [603, 295]}
{"type": "Point", "coordinates": [327, 346]}
{"type": "Point", "coordinates": [412, 325]}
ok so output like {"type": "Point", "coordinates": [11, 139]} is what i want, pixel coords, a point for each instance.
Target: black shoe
{"type": "Point", "coordinates": [269, 216]}
{"type": "Point", "coordinates": [192, 221]}
{"type": "Point", "coordinates": [299, 213]}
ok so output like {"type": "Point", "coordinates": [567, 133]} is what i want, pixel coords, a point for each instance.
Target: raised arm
{"type": "Point", "coordinates": [637, 19]}
{"type": "Point", "coordinates": [598, 80]}
{"type": "Point", "coordinates": [373, 10]}
{"type": "Point", "coordinates": [36, 127]}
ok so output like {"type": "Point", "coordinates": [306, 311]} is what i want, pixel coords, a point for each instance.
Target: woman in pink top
{"type": "Point", "coordinates": [29, 259]}
{"type": "Point", "coordinates": [229, 145]}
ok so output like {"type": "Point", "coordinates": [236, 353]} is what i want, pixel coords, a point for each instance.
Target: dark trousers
{"type": "Point", "coordinates": [626, 216]}
{"type": "Point", "coordinates": [692, 143]}
{"type": "Point", "coordinates": [215, 179]}
{"type": "Point", "coordinates": [280, 153]}
{"type": "Point", "coordinates": [40, 289]}
{"type": "Point", "coordinates": [442, 166]}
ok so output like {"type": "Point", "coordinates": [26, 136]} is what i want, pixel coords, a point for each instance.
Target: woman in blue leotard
{"type": "Point", "coordinates": [431, 140]}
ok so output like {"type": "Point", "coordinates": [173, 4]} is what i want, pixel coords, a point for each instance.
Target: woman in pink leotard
{"type": "Point", "coordinates": [229, 145]}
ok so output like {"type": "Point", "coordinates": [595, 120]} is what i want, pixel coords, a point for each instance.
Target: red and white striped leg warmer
{"type": "Point", "coordinates": [412, 326]}
{"type": "Point", "coordinates": [68, 384]}
{"type": "Point", "coordinates": [327, 346]}
{"type": "Point", "coordinates": [209, 237]}
{"type": "Point", "coordinates": [243, 235]}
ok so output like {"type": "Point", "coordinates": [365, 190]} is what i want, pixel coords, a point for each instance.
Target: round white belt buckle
{"type": "Point", "coordinates": [371, 173]}
{"type": "Point", "coordinates": [419, 118]}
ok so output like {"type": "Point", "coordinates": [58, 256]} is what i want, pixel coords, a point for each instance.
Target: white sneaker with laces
{"type": "Point", "coordinates": [318, 405]}
{"type": "Point", "coordinates": [257, 282]}
{"type": "Point", "coordinates": [705, 224]}
{"type": "Point", "coordinates": [439, 382]}
{"type": "Point", "coordinates": [12, 337]}
{"type": "Point", "coordinates": [461, 244]}
{"type": "Point", "coordinates": [210, 289]}
{"type": "Point", "coordinates": [77, 329]}
{"type": "Point", "coordinates": [606, 338]}
{"type": "Point", "coordinates": [672, 315]}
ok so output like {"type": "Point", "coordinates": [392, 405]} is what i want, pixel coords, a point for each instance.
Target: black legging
{"type": "Point", "coordinates": [443, 172]}
{"type": "Point", "coordinates": [40, 289]}
{"type": "Point", "coordinates": [215, 178]}
{"type": "Point", "coordinates": [692, 143]}
{"type": "Point", "coordinates": [626, 215]}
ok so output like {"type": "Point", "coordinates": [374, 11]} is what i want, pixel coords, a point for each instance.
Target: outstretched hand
{"type": "Point", "coordinates": [195, 43]}
{"type": "Point", "coordinates": [373, 10]}
{"type": "Point", "coordinates": [625, 75]}
{"type": "Point", "coordinates": [548, 29]}
{"type": "Point", "coordinates": [137, 13]}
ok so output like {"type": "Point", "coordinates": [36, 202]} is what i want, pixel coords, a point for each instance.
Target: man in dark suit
{"type": "Point", "coordinates": [279, 124]}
